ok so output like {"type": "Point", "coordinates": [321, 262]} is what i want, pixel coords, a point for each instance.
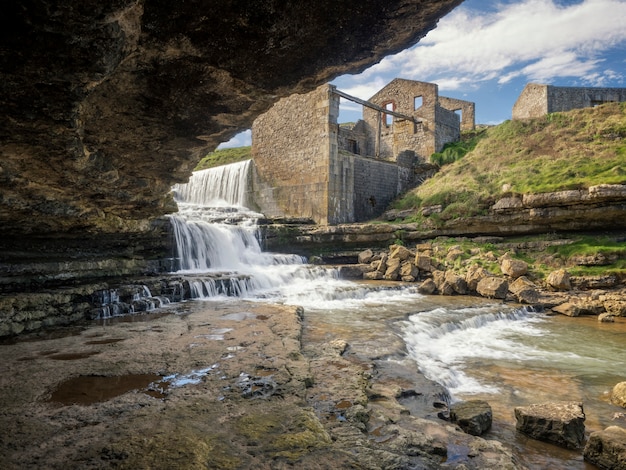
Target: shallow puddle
{"type": "Point", "coordinates": [89, 389]}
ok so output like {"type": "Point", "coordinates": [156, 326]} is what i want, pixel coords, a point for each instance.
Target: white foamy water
{"type": "Point", "coordinates": [443, 342]}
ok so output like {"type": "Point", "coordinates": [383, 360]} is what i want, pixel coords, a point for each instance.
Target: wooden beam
{"type": "Point", "coordinates": [375, 107]}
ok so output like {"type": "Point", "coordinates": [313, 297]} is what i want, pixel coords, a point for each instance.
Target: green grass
{"type": "Point", "coordinates": [559, 151]}
{"type": "Point", "coordinates": [224, 157]}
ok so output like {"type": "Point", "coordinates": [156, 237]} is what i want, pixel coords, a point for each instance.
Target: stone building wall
{"type": "Point", "coordinates": [447, 129]}
{"type": "Point", "coordinates": [467, 109]}
{"type": "Point", "coordinates": [537, 100]}
{"type": "Point", "coordinates": [291, 153]}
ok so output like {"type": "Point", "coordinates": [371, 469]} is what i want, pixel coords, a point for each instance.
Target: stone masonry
{"type": "Point", "coordinates": [306, 165]}
{"type": "Point", "coordinates": [537, 100]}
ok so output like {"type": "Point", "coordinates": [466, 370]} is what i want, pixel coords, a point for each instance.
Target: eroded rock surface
{"type": "Point", "coordinates": [233, 385]}
{"type": "Point", "coordinates": [105, 105]}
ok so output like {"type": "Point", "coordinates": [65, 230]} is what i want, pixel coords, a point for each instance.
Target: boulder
{"type": "Point", "coordinates": [618, 395]}
{"type": "Point", "coordinates": [607, 449]}
{"type": "Point", "coordinates": [562, 424]}
{"type": "Point", "coordinates": [393, 269]}
{"type": "Point", "coordinates": [472, 416]}
{"type": "Point", "coordinates": [493, 287]}
{"type": "Point", "coordinates": [365, 257]}
{"type": "Point", "coordinates": [514, 267]}
{"type": "Point", "coordinates": [400, 252]}
{"type": "Point", "coordinates": [408, 271]}
{"type": "Point", "coordinates": [559, 280]}
{"type": "Point", "coordinates": [454, 252]}
{"type": "Point", "coordinates": [615, 307]}
{"type": "Point", "coordinates": [567, 308]}
{"type": "Point", "coordinates": [428, 287]}
{"type": "Point", "coordinates": [353, 271]}
{"type": "Point", "coordinates": [524, 290]}
{"type": "Point", "coordinates": [458, 284]}
{"type": "Point", "coordinates": [473, 276]}
{"type": "Point", "coordinates": [381, 264]}
{"type": "Point", "coordinates": [424, 263]}
{"type": "Point", "coordinates": [373, 275]}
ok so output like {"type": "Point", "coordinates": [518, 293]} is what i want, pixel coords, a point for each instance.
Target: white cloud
{"type": "Point", "coordinates": [243, 139]}
{"type": "Point", "coordinates": [533, 39]}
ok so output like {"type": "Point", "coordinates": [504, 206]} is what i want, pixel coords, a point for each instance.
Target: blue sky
{"type": "Point", "coordinates": [486, 51]}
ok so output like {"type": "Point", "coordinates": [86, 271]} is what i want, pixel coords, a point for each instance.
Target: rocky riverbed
{"type": "Point", "coordinates": [224, 385]}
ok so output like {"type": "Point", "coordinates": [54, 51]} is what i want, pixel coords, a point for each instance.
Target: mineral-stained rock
{"type": "Point", "coordinates": [562, 424]}
{"type": "Point", "coordinates": [607, 449]}
{"type": "Point", "coordinates": [524, 290]}
{"type": "Point", "coordinates": [472, 416]}
{"type": "Point", "coordinates": [618, 395]}
{"type": "Point", "coordinates": [493, 287]}
{"type": "Point", "coordinates": [559, 280]}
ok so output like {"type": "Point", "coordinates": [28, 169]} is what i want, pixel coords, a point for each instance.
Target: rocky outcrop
{"type": "Point", "coordinates": [106, 105]}
{"type": "Point", "coordinates": [607, 449]}
{"type": "Point", "coordinates": [562, 424]}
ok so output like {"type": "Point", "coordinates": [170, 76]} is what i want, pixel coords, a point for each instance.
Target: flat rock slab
{"type": "Point", "coordinates": [607, 449]}
{"type": "Point", "coordinates": [562, 424]}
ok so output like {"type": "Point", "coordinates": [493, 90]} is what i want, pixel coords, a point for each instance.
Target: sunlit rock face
{"type": "Point", "coordinates": [105, 105]}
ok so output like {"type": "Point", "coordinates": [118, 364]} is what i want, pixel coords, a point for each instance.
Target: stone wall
{"type": "Point", "coordinates": [467, 108]}
{"type": "Point", "coordinates": [291, 151]}
{"type": "Point", "coordinates": [447, 128]}
{"type": "Point", "coordinates": [537, 100]}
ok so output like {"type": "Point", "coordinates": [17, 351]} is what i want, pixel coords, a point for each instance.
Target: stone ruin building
{"type": "Point", "coordinates": [306, 165]}
{"type": "Point", "coordinates": [538, 100]}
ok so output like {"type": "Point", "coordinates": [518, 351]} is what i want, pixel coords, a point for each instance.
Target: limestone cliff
{"type": "Point", "coordinates": [105, 105]}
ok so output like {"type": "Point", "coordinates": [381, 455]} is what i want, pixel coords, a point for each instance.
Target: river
{"type": "Point", "coordinates": [505, 354]}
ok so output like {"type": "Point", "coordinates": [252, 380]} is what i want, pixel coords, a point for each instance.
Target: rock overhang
{"type": "Point", "coordinates": [106, 105]}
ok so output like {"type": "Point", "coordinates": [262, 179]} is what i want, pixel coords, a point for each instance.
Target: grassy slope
{"type": "Point", "coordinates": [224, 157]}
{"type": "Point", "coordinates": [577, 149]}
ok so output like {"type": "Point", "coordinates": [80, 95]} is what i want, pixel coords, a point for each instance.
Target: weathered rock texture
{"type": "Point", "coordinates": [607, 449]}
{"type": "Point", "coordinates": [105, 105]}
{"type": "Point", "coordinates": [562, 424]}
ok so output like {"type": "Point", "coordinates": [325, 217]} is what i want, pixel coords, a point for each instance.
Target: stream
{"type": "Point", "coordinates": [477, 349]}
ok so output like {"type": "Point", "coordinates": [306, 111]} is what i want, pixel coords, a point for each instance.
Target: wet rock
{"type": "Point", "coordinates": [607, 449]}
{"type": "Point", "coordinates": [353, 271]}
{"type": "Point", "coordinates": [618, 395]}
{"type": "Point", "coordinates": [562, 424]}
{"type": "Point", "coordinates": [559, 280]}
{"type": "Point", "coordinates": [373, 275]}
{"type": "Point", "coordinates": [524, 290]}
{"type": "Point", "coordinates": [473, 416]}
{"type": "Point", "coordinates": [606, 317]}
{"type": "Point", "coordinates": [428, 287]}
{"type": "Point", "coordinates": [456, 282]}
{"type": "Point", "coordinates": [493, 287]}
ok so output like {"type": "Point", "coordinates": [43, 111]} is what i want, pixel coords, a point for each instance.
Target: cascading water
{"type": "Point", "coordinates": [473, 347]}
